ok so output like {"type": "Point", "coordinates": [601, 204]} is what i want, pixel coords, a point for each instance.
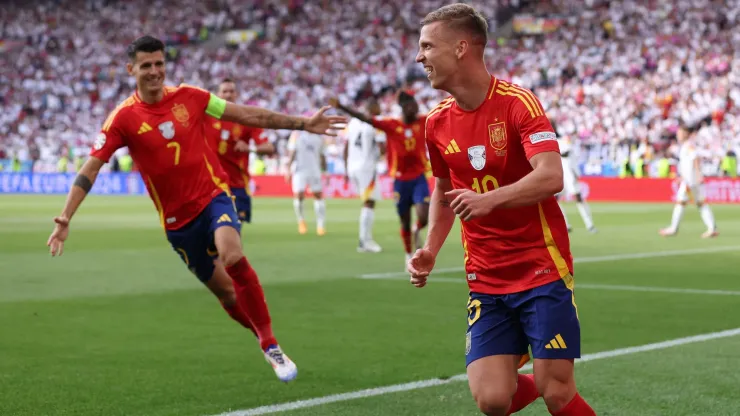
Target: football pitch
{"type": "Point", "coordinates": [118, 326]}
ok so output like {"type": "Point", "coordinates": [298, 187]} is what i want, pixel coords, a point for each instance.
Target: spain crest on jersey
{"type": "Point", "coordinates": [497, 134]}
{"type": "Point", "coordinates": [181, 114]}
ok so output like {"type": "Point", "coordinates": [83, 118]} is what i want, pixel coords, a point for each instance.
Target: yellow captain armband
{"type": "Point", "coordinates": [216, 106]}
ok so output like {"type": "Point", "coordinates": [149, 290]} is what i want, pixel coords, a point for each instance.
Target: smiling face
{"type": "Point", "coordinates": [148, 69]}
{"type": "Point", "coordinates": [437, 54]}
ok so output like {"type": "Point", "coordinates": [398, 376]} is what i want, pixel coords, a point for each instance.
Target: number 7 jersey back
{"type": "Point", "coordinates": [510, 250]}
{"type": "Point", "coordinates": [167, 143]}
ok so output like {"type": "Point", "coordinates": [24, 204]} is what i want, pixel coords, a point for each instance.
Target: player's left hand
{"type": "Point", "coordinates": [468, 204]}
{"type": "Point", "coordinates": [321, 123]}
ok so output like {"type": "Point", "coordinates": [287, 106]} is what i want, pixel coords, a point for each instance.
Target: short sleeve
{"type": "Point", "coordinates": [439, 166]}
{"type": "Point", "coordinates": [535, 130]}
{"type": "Point", "coordinates": [384, 125]}
{"type": "Point", "coordinates": [211, 104]}
{"type": "Point", "coordinates": [108, 140]}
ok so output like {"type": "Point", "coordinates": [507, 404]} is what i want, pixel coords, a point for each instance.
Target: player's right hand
{"type": "Point", "coordinates": [419, 267]}
{"type": "Point", "coordinates": [57, 237]}
{"type": "Point", "coordinates": [321, 123]}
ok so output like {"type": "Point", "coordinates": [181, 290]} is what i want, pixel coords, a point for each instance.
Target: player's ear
{"type": "Point", "coordinates": [130, 68]}
{"type": "Point", "coordinates": [461, 48]}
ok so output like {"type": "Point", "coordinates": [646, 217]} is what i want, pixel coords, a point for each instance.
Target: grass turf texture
{"type": "Point", "coordinates": [118, 326]}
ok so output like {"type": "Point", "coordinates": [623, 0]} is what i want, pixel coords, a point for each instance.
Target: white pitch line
{"type": "Point", "coordinates": [595, 259]}
{"type": "Point", "coordinates": [379, 391]}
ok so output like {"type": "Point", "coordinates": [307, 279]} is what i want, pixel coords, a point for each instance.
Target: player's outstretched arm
{"type": "Point", "coordinates": [351, 111]}
{"type": "Point", "coordinates": [248, 115]}
{"type": "Point", "coordinates": [82, 185]}
{"type": "Point", "coordinates": [545, 180]}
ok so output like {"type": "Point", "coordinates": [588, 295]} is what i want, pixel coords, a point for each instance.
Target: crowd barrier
{"type": "Point", "coordinates": [716, 190]}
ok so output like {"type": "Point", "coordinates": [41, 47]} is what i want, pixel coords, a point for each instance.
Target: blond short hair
{"type": "Point", "coordinates": [462, 17]}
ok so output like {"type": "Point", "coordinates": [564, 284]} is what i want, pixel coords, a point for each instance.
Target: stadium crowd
{"type": "Point", "coordinates": [617, 77]}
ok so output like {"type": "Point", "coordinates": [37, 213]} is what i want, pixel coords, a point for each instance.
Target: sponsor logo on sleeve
{"type": "Point", "coordinates": [542, 137]}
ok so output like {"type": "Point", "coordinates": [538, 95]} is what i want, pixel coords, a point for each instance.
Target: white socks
{"type": "Point", "coordinates": [367, 216]}
{"type": "Point", "coordinates": [319, 207]}
{"type": "Point", "coordinates": [585, 214]}
{"type": "Point", "coordinates": [707, 217]}
{"type": "Point", "coordinates": [298, 207]}
{"type": "Point", "coordinates": [676, 218]}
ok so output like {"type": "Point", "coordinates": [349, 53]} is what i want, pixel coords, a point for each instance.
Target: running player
{"type": "Point", "coordinates": [163, 128]}
{"type": "Point", "coordinates": [407, 161]}
{"type": "Point", "coordinates": [570, 184]}
{"type": "Point", "coordinates": [501, 183]}
{"type": "Point", "coordinates": [233, 142]}
{"type": "Point", "coordinates": [364, 148]}
{"type": "Point", "coordinates": [692, 187]}
{"type": "Point", "coordinates": [306, 161]}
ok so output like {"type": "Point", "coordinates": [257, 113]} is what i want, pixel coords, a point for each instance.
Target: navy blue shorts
{"type": "Point", "coordinates": [194, 242]}
{"type": "Point", "coordinates": [409, 193]}
{"type": "Point", "coordinates": [544, 318]}
{"type": "Point", "coordinates": [243, 203]}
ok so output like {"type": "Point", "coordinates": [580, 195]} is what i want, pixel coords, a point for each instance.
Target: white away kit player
{"type": "Point", "coordinates": [365, 146]}
{"type": "Point", "coordinates": [306, 162]}
{"type": "Point", "coordinates": [570, 184]}
{"type": "Point", "coordinates": [689, 172]}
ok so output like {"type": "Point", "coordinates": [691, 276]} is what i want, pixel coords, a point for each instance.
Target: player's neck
{"type": "Point", "coordinates": [151, 97]}
{"type": "Point", "coordinates": [470, 90]}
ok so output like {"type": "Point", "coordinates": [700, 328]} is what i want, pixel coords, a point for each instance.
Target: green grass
{"type": "Point", "coordinates": [118, 326]}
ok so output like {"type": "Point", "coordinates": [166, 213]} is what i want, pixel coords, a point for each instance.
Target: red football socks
{"type": "Point", "coordinates": [236, 313]}
{"type": "Point", "coordinates": [576, 407]}
{"type": "Point", "coordinates": [419, 225]}
{"type": "Point", "coordinates": [526, 393]}
{"type": "Point", "coordinates": [251, 299]}
{"type": "Point", "coordinates": [406, 236]}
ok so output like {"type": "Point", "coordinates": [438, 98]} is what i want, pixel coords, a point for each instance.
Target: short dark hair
{"type": "Point", "coordinates": [404, 97]}
{"type": "Point", "coordinates": [460, 16]}
{"type": "Point", "coordinates": [146, 43]}
{"type": "Point", "coordinates": [225, 80]}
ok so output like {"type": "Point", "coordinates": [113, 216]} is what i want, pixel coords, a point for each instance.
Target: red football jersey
{"type": "Point", "coordinates": [167, 142]}
{"type": "Point", "coordinates": [407, 153]}
{"type": "Point", "coordinates": [222, 136]}
{"type": "Point", "coordinates": [510, 250]}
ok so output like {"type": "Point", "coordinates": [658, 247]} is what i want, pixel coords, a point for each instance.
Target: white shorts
{"type": "Point", "coordinates": [366, 183]}
{"type": "Point", "coordinates": [686, 192]}
{"type": "Point", "coordinates": [302, 180]}
{"type": "Point", "coordinates": [570, 182]}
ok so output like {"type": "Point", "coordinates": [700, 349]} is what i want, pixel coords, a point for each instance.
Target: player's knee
{"type": "Point", "coordinates": [230, 256]}
{"type": "Point", "coordinates": [579, 198]}
{"type": "Point", "coordinates": [557, 390]}
{"type": "Point", "coordinates": [369, 204]}
{"type": "Point", "coordinates": [493, 402]}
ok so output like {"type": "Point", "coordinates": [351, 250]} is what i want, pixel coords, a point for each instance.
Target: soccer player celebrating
{"type": "Point", "coordinates": [306, 161]}
{"type": "Point", "coordinates": [501, 183]}
{"type": "Point", "coordinates": [232, 142]}
{"type": "Point", "coordinates": [407, 161]}
{"type": "Point", "coordinates": [163, 128]}
{"type": "Point", "coordinates": [571, 186]}
{"type": "Point", "coordinates": [364, 148]}
{"type": "Point", "coordinates": [689, 172]}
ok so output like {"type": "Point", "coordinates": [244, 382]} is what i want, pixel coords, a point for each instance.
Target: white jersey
{"type": "Point", "coordinates": [687, 156]}
{"type": "Point", "coordinates": [567, 150]}
{"type": "Point", "coordinates": [363, 153]}
{"type": "Point", "coordinates": [308, 148]}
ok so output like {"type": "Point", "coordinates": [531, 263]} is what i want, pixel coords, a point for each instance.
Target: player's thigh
{"type": "Point", "coordinates": [549, 318]}
{"type": "Point", "coordinates": [366, 185]}
{"type": "Point", "coordinates": [697, 192]}
{"type": "Point", "coordinates": [403, 196]}
{"type": "Point", "coordinates": [420, 192]}
{"type": "Point", "coordinates": [243, 204]}
{"type": "Point", "coordinates": [224, 226]}
{"type": "Point", "coordinates": [494, 346]}
{"type": "Point", "coordinates": [683, 193]}
{"type": "Point", "coordinates": [570, 182]}
{"type": "Point", "coordinates": [191, 243]}
{"type": "Point", "coordinates": [298, 183]}
{"type": "Point", "coordinates": [314, 184]}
